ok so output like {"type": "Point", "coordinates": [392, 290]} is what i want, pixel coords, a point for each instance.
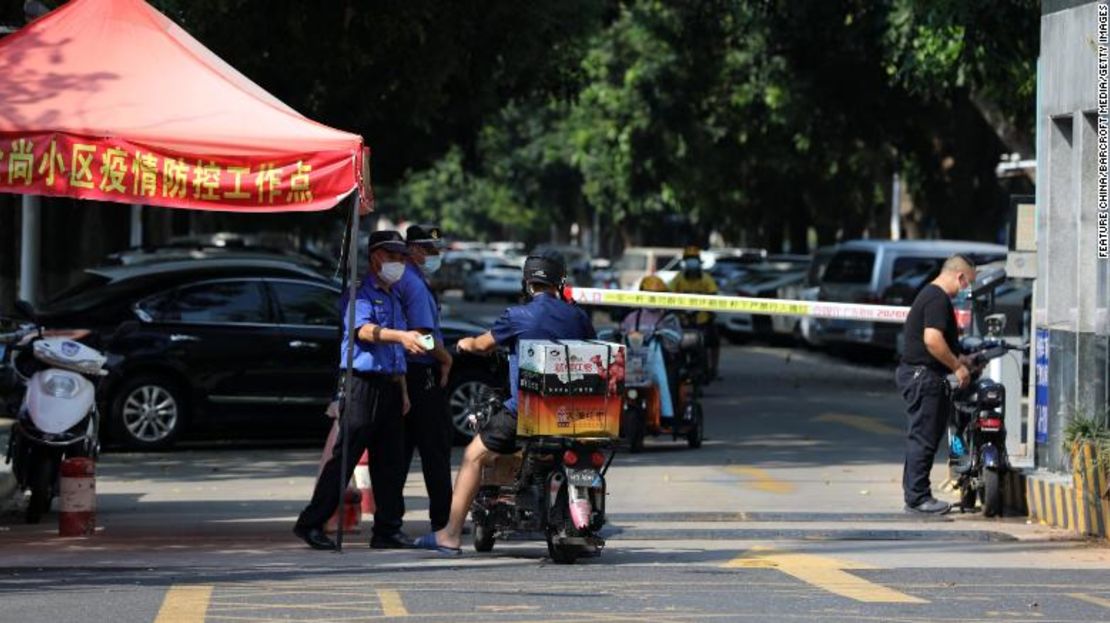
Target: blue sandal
{"type": "Point", "coordinates": [428, 542]}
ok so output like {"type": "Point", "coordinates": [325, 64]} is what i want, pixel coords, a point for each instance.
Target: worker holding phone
{"type": "Point", "coordinates": [375, 403]}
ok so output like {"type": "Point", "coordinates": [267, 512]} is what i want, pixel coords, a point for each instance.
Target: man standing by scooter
{"type": "Point", "coordinates": [929, 355]}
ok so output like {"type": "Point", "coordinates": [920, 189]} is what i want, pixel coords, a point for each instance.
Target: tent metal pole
{"type": "Point", "coordinates": [30, 250]}
{"type": "Point", "coordinates": [349, 359]}
{"type": "Point", "coordinates": [136, 226]}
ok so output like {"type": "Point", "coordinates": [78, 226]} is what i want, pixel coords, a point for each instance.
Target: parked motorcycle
{"type": "Point", "coordinates": [554, 487]}
{"type": "Point", "coordinates": [978, 440]}
{"type": "Point", "coordinates": [57, 417]}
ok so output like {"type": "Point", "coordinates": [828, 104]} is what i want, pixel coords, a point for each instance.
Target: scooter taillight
{"type": "Point", "coordinates": [598, 459]}
{"type": "Point", "coordinates": [570, 457]}
{"type": "Point", "coordinates": [990, 424]}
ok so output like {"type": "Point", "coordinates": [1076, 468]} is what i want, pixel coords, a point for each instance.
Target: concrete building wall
{"type": "Point", "coordinates": [1073, 288]}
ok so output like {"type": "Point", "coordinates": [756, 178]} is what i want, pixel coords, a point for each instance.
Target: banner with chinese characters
{"type": "Point", "coordinates": [117, 170]}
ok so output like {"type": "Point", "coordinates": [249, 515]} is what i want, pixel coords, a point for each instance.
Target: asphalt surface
{"type": "Point", "coordinates": [791, 510]}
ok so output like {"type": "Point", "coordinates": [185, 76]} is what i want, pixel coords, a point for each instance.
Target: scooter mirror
{"type": "Point", "coordinates": [25, 309]}
{"type": "Point", "coordinates": [995, 323]}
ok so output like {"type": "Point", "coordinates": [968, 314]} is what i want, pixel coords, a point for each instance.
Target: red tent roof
{"type": "Point", "coordinates": [116, 102]}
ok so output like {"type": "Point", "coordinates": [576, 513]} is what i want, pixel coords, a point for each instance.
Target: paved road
{"type": "Point", "coordinates": [791, 510]}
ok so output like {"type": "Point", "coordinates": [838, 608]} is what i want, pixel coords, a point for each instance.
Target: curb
{"type": "Point", "coordinates": [1074, 502]}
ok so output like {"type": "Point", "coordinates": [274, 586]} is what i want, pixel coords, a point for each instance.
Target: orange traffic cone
{"type": "Point", "coordinates": [350, 506]}
{"type": "Point", "coordinates": [362, 483]}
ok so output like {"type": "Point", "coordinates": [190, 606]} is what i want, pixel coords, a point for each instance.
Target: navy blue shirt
{"type": "Point", "coordinates": [379, 306]}
{"type": "Point", "coordinates": [420, 306]}
{"type": "Point", "coordinates": [544, 318]}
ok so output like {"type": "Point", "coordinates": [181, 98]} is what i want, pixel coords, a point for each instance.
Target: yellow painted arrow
{"type": "Point", "coordinates": [825, 573]}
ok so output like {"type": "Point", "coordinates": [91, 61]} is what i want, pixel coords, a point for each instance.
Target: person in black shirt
{"type": "Point", "coordinates": [930, 353]}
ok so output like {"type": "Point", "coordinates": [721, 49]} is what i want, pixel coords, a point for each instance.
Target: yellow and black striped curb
{"type": "Point", "coordinates": [1078, 505]}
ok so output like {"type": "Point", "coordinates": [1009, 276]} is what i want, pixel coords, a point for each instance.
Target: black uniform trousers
{"type": "Point", "coordinates": [428, 429]}
{"type": "Point", "coordinates": [928, 405]}
{"type": "Point", "coordinates": [373, 422]}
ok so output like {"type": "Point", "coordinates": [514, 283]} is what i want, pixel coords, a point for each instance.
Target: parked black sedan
{"type": "Point", "coordinates": [209, 345]}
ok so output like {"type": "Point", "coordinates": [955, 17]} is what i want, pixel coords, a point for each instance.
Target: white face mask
{"type": "Point", "coordinates": [391, 272]}
{"type": "Point", "coordinates": [432, 264]}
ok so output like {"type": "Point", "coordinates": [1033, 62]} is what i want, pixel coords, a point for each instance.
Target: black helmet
{"type": "Point", "coordinates": [546, 270]}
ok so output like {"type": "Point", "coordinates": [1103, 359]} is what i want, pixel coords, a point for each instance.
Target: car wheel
{"type": "Point", "coordinates": [462, 398]}
{"type": "Point", "coordinates": [148, 413]}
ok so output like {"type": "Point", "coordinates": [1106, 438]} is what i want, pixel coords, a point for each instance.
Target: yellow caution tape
{"type": "Point", "coordinates": [740, 305]}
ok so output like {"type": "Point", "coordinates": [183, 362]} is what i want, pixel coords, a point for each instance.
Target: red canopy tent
{"type": "Point", "coordinates": [110, 100]}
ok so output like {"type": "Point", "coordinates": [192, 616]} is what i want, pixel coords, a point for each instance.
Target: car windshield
{"type": "Point", "coordinates": [90, 286]}
{"type": "Point", "coordinates": [850, 267]}
{"type": "Point", "coordinates": [632, 261]}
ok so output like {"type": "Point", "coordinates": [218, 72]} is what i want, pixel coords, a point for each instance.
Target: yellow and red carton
{"type": "Point", "coordinates": [570, 388]}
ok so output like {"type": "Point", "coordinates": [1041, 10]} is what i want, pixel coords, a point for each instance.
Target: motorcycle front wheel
{"type": "Point", "coordinates": [42, 474]}
{"type": "Point", "coordinates": [483, 536]}
{"type": "Point", "coordinates": [697, 429]}
{"type": "Point", "coordinates": [633, 429]}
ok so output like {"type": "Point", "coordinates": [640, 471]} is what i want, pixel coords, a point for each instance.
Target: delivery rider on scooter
{"type": "Point", "coordinates": [660, 331]}
{"type": "Point", "coordinates": [544, 316]}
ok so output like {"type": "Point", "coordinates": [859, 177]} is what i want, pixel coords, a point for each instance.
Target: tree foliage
{"type": "Point", "coordinates": [760, 119]}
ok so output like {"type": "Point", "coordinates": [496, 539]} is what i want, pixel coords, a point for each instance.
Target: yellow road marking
{"type": "Point", "coordinates": [866, 424]}
{"type": "Point", "coordinates": [184, 604]}
{"type": "Point", "coordinates": [1091, 599]}
{"type": "Point", "coordinates": [392, 606]}
{"type": "Point", "coordinates": [827, 574]}
{"type": "Point", "coordinates": [763, 480]}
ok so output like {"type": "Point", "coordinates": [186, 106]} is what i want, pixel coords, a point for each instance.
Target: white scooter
{"type": "Point", "coordinates": [57, 416]}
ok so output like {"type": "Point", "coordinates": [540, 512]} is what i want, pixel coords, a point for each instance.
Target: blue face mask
{"type": "Point", "coordinates": [691, 265]}
{"type": "Point", "coordinates": [432, 263]}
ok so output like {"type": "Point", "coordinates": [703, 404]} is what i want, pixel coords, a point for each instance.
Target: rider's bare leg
{"type": "Point", "coordinates": [466, 489]}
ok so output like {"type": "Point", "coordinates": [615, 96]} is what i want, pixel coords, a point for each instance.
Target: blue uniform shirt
{"type": "Point", "coordinates": [420, 306]}
{"type": "Point", "coordinates": [544, 318]}
{"type": "Point", "coordinates": [375, 305]}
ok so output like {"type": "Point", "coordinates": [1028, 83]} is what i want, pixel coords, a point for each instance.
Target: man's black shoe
{"type": "Point", "coordinates": [314, 537]}
{"type": "Point", "coordinates": [931, 506]}
{"type": "Point", "coordinates": [397, 540]}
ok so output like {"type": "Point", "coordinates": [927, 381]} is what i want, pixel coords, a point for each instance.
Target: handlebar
{"type": "Point", "coordinates": [15, 337]}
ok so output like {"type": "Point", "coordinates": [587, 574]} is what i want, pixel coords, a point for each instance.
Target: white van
{"type": "Point", "coordinates": [638, 262]}
{"type": "Point", "coordinates": [860, 270]}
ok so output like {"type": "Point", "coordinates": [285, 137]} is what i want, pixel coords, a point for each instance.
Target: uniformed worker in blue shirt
{"type": "Point", "coordinates": [428, 424]}
{"type": "Point", "coordinates": [545, 316]}
{"type": "Point", "coordinates": [376, 402]}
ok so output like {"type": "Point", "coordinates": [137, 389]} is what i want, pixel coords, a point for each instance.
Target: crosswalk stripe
{"type": "Point", "coordinates": [392, 605]}
{"type": "Point", "coordinates": [185, 604]}
{"type": "Point", "coordinates": [1091, 599]}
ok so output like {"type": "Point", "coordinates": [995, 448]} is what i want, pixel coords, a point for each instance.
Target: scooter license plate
{"type": "Point", "coordinates": [583, 477]}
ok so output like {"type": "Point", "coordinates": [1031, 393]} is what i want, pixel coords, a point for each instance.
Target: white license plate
{"type": "Point", "coordinates": [583, 477]}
